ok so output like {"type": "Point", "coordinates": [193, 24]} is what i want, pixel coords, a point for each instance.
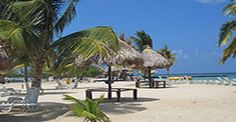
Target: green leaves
{"type": "Point", "coordinates": [86, 44]}
{"type": "Point", "coordinates": [89, 109]}
{"type": "Point", "coordinates": [166, 53]}
{"type": "Point", "coordinates": [141, 40]}
{"type": "Point", "coordinates": [68, 15]}
{"type": "Point", "coordinates": [229, 51]}
{"type": "Point", "coordinates": [226, 33]}
{"type": "Point", "coordinates": [230, 9]}
{"type": "Point", "coordinates": [12, 32]}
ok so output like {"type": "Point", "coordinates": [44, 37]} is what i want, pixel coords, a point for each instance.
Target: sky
{"type": "Point", "coordinates": [190, 28]}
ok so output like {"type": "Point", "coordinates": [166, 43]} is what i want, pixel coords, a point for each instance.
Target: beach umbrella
{"type": "Point", "coordinates": [126, 55]}
{"type": "Point", "coordinates": [152, 60]}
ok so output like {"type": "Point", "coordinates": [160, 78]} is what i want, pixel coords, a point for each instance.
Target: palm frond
{"type": "Point", "coordinates": [226, 32]}
{"type": "Point", "coordinates": [229, 51]}
{"type": "Point", "coordinates": [67, 17]}
{"type": "Point", "coordinates": [87, 43]}
{"type": "Point", "coordinates": [230, 9]}
{"type": "Point", "coordinates": [12, 32]}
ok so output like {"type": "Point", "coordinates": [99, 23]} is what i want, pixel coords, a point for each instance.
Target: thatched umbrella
{"type": "Point", "coordinates": [153, 60]}
{"type": "Point", "coordinates": [126, 55]}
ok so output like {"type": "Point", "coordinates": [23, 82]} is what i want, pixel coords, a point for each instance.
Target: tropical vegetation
{"type": "Point", "coordinates": [141, 40]}
{"type": "Point", "coordinates": [88, 109]}
{"type": "Point", "coordinates": [226, 33]}
{"type": "Point", "coordinates": [166, 53]}
{"type": "Point", "coordinates": [33, 29]}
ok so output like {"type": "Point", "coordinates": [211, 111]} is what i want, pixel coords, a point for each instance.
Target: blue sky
{"type": "Point", "coordinates": [189, 27]}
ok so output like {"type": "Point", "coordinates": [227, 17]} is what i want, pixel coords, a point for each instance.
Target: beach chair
{"type": "Point", "coordinates": [30, 101]}
{"type": "Point", "coordinates": [226, 81]}
{"type": "Point", "coordinates": [74, 84]}
{"type": "Point", "coordinates": [233, 83]}
{"type": "Point", "coordinates": [219, 81]}
{"type": "Point", "coordinates": [61, 85]}
{"type": "Point", "coordinates": [8, 91]}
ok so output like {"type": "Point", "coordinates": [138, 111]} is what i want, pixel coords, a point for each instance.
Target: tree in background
{"type": "Point", "coordinates": [166, 53]}
{"type": "Point", "coordinates": [226, 35]}
{"type": "Point", "coordinates": [141, 40]}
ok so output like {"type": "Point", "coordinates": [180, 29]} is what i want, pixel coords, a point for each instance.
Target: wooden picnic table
{"type": "Point", "coordinates": [152, 84]}
{"type": "Point", "coordinates": [118, 91]}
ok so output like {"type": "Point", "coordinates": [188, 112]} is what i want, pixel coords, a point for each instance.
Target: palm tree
{"type": "Point", "coordinates": [32, 26]}
{"type": "Point", "coordinates": [166, 53]}
{"type": "Point", "coordinates": [226, 37]}
{"type": "Point", "coordinates": [89, 110]}
{"type": "Point", "coordinates": [141, 40]}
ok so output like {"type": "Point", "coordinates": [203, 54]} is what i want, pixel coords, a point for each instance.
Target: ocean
{"type": "Point", "coordinates": [199, 76]}
{"type": "Point", "coordinates": [195, 76]}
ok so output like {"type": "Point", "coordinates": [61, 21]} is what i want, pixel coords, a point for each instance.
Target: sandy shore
{"type": "Point", "coordinates": [181, 103]}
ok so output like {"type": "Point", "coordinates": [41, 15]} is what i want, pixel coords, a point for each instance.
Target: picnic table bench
{"type": "Point", "coordinates": [117, 90]}
{"type": "Point", "coordinates": [152, 84]}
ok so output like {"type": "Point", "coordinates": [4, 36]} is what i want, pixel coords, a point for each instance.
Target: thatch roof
{"type": "Point", "coordinates": [126, 55]}
{"type": "Point", "coordinates": [153, 59]}
{"type": "Point", "coordinates": [120, 68]}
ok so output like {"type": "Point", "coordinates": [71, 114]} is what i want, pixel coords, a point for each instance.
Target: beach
{"type": "Point", "coordinates": [181, 102]}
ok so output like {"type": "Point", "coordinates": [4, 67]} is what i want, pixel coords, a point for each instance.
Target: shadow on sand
{"type": "Point", "coordinates": [51, 110]}
{"type": "Point", "coordinates": [127, 105]}
{"type": "Point", "coordinates": [47, 111]}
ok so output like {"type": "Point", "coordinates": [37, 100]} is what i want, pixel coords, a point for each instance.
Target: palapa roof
{"type": "Point", "coordinates": [126, 55]}
{"type": "Point", "coordinates": [153, 59]}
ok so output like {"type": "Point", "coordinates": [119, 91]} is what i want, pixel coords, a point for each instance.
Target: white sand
{"type": "Point", "coordinates": [183, 103]}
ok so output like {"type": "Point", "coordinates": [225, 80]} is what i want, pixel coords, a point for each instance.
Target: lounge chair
{"type": "Point", "coordinates": [227, 81]}
{"type": "Point", "coordinates": [29, 102]}
{"type": "Point", "coordinates": [8, 91]}
{"type": "Point", "coordinates": [62, 85]}
{"type": "Point", "coordinates": [219, 81]}
{"type": "Point", "coordinates": [233, 83]}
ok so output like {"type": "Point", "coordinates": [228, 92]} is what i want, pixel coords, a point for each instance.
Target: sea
{"type": "Point", "coordinates": [195, 76]}
{"type": "Point", "coordinates": [199, 76]}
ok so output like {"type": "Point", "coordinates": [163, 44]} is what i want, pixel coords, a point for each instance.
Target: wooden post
{"type": "Point", "coordinates": [118, 95]}
{"type": "Point", "coordinates": [109, 82]}
{"type": "Point", "coordinates": [135, 94]}
{"type": "Point", "coordinates": [150, 77]}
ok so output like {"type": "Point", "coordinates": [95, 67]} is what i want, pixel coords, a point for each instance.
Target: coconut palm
{"type": "Point", "coordinates": [32, 26]}
{"type": "Point", "coordinates": [166, 53]}
{"type": "Point", "coordinates": [141, 40]}
{"type": "Point", "coordinates": [89, 110]}
{"type": "Point", "coordinates": [226, 34]}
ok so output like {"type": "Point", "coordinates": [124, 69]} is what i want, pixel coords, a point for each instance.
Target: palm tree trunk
{"type": "Point", "coordinates": [2, 79]}
{"type": "Point", "coordinates": [26, 77]}
{"type": "Point", "coordinates": [38, 69]}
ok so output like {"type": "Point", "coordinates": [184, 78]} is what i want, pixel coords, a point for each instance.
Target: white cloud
{"type": "Point", "coordinates": [178, 52]}
{"type": "Point", "coordinates": [210, 1]}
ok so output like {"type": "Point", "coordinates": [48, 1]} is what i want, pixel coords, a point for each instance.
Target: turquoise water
{"type": "Point", "coordinates": [195, 76]}
{"type": "Point", "coordinates": [199, 76]}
